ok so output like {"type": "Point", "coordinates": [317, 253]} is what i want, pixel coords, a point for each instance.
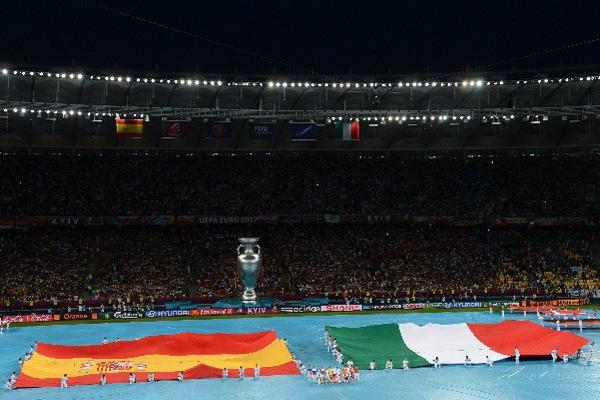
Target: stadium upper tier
{"type": "Point", "coordinates": [297, 184]}
{"type": "Point", "coordinates": [61, 108]}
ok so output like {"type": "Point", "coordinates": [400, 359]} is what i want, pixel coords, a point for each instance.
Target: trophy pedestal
{"type": "Point", "coordinates": [249, 296]}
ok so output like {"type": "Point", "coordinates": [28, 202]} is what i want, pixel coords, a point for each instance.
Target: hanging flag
{"type": "Point", "coordinates": [174, 128]}
{"type": "Point", "coordinates": [219, 130]}
{"type": "Point", "coordinates": [130, 127]}
{"type": "Point", "coordinates": [347, 130]}
{"type": "Point", "coordinates": [304, 131]}
{"type": "Point", "coordinates": [262, 130]}
{"type": "Point", "coordinates": [420, 345]}
{"type": "Point", "coordinates": [197, 355]}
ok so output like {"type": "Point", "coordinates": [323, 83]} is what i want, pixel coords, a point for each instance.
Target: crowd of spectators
{"type": "Point", "coordinates": [124, 265]}
{"type": "Point", "coordinates": [357, 262]}
{"type": "Point", "coordinates": [291, 183]}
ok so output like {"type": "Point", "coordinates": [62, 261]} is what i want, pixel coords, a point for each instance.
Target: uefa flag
{"type": "Point", "coordinates": [196, 355]}
{"type": "Point", "coordinates": [130, 127]}
{"type": "Point", "coordinates": [304, 131]}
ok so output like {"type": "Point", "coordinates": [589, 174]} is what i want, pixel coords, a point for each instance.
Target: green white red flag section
{"type": "Point", "coordinates": [420, 345]}
{"type": "Point", "coordinates": [349, 131]}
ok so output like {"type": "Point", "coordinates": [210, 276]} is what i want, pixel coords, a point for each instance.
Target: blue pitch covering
{"type": "Point", "coordinates": [506, 380]}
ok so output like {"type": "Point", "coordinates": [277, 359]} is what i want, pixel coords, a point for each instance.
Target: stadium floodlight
{"type": "Point", "coordinates": [546, 80]}
{"type": "Point", "coordinates": [15, 110]}
{"type": "Point", "coordinates": [4, 71]}
{"type": "Point", "coordinates": [23, 111]}
{"type": "Point", "coordinates": [501, 82]}
{"type": "Point", "coordinates": [400, 84]}
{"type": "Point", "coordinates": [138, 79]}
{"type": "Point", "coordinates": [112, 78]}
{"type": "Point", "coordinates": [472, 83]}
{"type": "Point", "coordinates": [63, 75]}
{"type": "Point", "coordinates": [72, 76]}
{"type": "Point", "coordinates": [284, 84]}
{"type": "Point", "coordinates": [479, 83]}
{"type": "Point", "coordinates": [212, 83]}
{"type": "Point", "coordinates": [79, 76]}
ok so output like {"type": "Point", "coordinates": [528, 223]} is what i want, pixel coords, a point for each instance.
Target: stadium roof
{"type": "Point", "coordinates": [559, 108]}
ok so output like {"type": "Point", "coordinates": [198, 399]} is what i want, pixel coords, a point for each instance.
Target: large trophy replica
{"type": "Point", "coordinates": [249, 260]}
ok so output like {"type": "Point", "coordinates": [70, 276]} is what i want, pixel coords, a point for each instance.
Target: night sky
{"type": "Point", "coordinates": [298, 37]}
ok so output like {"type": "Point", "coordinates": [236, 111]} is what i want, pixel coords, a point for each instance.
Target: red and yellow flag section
{"type": "Point", "coordinates": [197, 355]}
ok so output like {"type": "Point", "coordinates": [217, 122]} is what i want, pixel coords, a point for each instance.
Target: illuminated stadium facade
{"type": "Point", "coordinates": [62, 108]}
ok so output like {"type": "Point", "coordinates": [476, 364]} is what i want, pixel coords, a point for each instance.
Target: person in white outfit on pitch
{"type": "Point", "coordinates": [389, 364]}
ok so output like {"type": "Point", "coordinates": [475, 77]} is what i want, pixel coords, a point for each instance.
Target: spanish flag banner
{"type": "Point", "coordinates": [130, 127]}
{"type": "Point", "coordinates": [196, 355]}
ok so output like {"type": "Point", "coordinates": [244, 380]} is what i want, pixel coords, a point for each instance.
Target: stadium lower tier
{"type": "Point", "coordinates": [420, 345]}
{"type": "Point", "coordinates": [196, 355]}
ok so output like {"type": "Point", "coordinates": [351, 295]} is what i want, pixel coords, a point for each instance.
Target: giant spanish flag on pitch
{"type": "Point", "coordinates": [130, 127]}
{"type": "Point", "coordinates": [420, 345]}
{"type": "Point", "coordinates": [197, 355]}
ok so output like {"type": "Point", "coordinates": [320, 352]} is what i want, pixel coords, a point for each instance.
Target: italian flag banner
{"type": "Point", "coordinates": [347, 130]}
{"type": "Point", "coordinates": [420, 345]}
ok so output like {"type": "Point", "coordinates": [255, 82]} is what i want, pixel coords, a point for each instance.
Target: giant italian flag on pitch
{"type": "Point", "coordinates": [420, 345]}
{"type": "Point", "coordinates": [347, 130]}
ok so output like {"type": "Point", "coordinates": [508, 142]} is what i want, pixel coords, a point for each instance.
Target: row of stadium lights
{"type": "Point", "coordinates": [67, 113]}
{"type": "Point", "coordinates": [272, 84]}
{"type": "Point", "coordinates": [494, 119]}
